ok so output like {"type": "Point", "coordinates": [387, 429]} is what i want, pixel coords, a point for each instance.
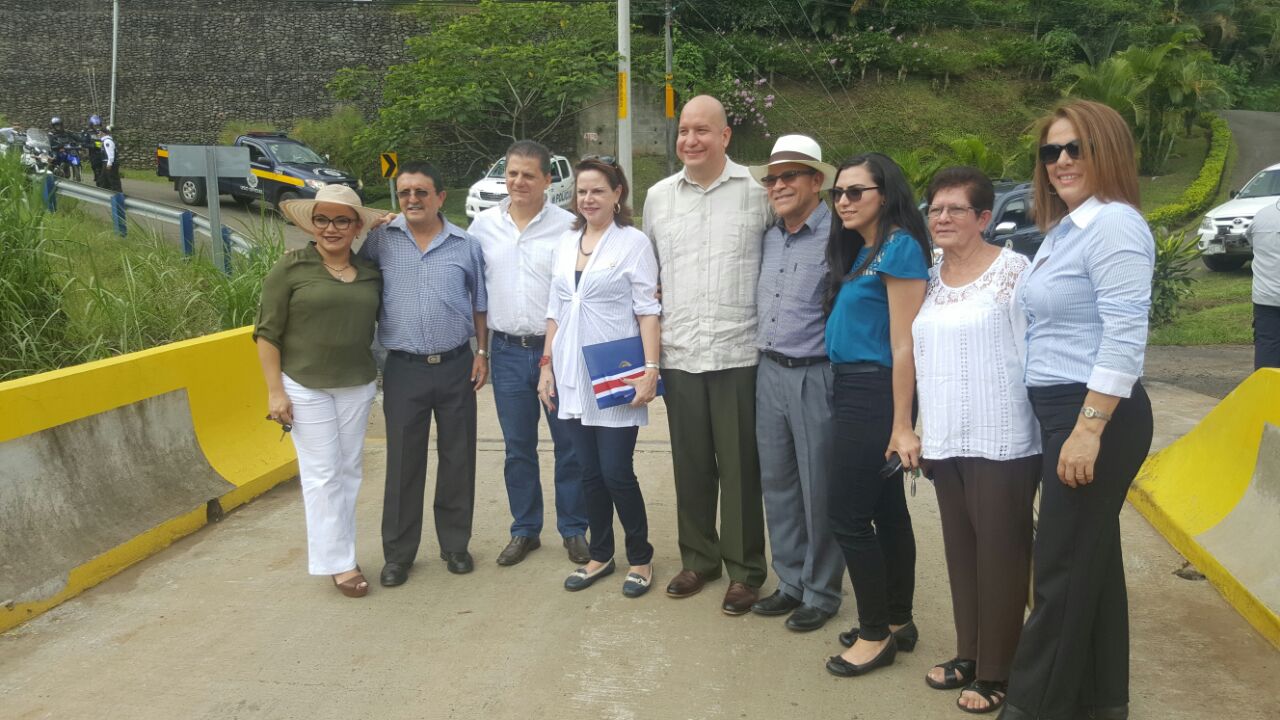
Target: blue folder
{"type": "Point", "coordinates": [608, 363]}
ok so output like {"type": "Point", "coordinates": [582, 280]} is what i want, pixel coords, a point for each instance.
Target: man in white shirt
{"type": "Point", "coordinates": [1264, 235]}
{"type": "Point", "coordinates": [518, 238]}
{"type": "Point", "coordinates": [707, 223]}
{"type": "Point", "coordinates": [110, 162]}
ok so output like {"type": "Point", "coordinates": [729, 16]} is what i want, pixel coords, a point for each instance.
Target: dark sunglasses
{"type": "Point", "coordinates": [606, 159]}
{"type": "Point", "coordinates": [1049, 154]}
{"type": "Point", "coordinates": [342, 223]}
{"type": "Point", "coordinates": [405, 194]}
{"type": "Point", "coordinates": [786, 177]}
{"type": "Point", "coordinates": [852, 194]}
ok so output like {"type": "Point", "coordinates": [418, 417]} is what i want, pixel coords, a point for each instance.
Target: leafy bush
{"type": "Point", "coordinates": [1201, 192]}
{"type": "Point", "coordinates": [234, 128]}
{"type": "Point", "coordinates": [335, 136]}
{"type": "Point", "coordinates": [1171, 281]}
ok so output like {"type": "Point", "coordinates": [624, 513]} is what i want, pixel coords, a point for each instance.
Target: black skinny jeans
{"type": "Point", "coordinates": [1074, 649]}
{"type": "Point", "coordinates": [868, 513]}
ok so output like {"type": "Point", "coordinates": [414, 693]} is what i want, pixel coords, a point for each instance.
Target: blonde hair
{"type": "Point", "coordinates": [1106, 146]}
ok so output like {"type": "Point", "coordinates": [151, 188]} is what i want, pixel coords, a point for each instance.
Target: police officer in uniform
{"type": "Point", "coordinates": [110, 162]}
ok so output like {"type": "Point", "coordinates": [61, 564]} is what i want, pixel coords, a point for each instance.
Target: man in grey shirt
{"type": "Point", "coordinates": [1264, 234]}
{"type": "Point", "coordinates": [793, 387]}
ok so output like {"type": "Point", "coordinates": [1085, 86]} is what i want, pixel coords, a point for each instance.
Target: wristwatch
{"type": "Point", "coordinates": [482, 353]}
{"type": "Point", "coordinates": [1093, 413]}
{"type": "Point", "coordinates": [653, 365]}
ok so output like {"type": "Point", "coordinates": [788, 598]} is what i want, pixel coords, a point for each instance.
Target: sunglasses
{"type": "Point", "coordinates": [852, 194]}
{"type": "Point", "coordinates": [786, 177]}
{"type": "Point", "coordinates": [1049, 154]}
{"type": "Point", "coordinates": [342, 223]}
{"type": "Point", "coordinates": [606, 159]}
{"type": "Point", "coordinates": [406, 194]}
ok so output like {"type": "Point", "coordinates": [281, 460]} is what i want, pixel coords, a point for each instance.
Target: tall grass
{"type": "Point", "coordinates": [72, 291]}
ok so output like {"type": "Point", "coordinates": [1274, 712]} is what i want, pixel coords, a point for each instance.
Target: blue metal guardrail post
{"type": "Point", "coordinates": [187, 224]}
{"type": "Point", "coordinates": [117, 215]}
{"type": "Point", "coordinates": [50, 193]}
{"type": "Point", "coordinates": [226, 249]}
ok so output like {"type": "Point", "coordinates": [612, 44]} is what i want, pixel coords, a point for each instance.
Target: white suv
{"type": "Point", "coordinates": [1222, 242]}
{"type": "Point", "coordinates": [492, 188]}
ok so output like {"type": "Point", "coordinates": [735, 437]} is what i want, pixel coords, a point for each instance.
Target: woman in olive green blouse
{"type": "Point", "coordinates": [314, 332]}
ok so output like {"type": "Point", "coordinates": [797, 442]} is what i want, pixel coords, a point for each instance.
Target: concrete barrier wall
{"type": "Point", "coordinates": [1215, 496]}
{"type": "Point", "coordinates": [106, 463]}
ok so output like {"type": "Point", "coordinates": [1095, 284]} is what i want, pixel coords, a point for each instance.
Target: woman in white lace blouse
{"type": "Point", "coordinates": [980, 441]}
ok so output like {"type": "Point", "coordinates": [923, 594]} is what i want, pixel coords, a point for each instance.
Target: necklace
{"type": "Point", "coordinates": [584, 252]}
{"type": "Point", "coordinates": [338, 271]}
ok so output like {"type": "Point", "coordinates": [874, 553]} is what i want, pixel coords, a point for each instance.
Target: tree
{"type": "Point", "coordinates": [488, 77]}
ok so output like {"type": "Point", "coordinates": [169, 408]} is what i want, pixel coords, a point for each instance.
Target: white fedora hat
{"type": "Point", "coordinates": [797, 149]}
{"type": "Point", "coordinates": [299, 211]}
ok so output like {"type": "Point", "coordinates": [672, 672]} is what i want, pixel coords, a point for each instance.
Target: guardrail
{"type": "Point", "coordinates": [122, 206]}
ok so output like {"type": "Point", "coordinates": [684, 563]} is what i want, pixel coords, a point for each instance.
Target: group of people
{"type": "Point", "coordinates": [798, 322]}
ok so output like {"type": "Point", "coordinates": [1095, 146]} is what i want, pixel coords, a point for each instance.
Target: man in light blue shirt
{"type": "Point", "coordinates": [433, 303]}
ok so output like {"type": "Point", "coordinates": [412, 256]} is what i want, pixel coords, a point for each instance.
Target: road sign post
{"type": "Point", "coordinates": [390, 167]}
{"type": "Point", "coordinates": [210, 162]}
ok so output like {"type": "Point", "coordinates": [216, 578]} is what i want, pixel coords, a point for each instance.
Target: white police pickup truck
{"type": "Point", "coordinates": [492, 188]}
{"type": "Point", "coordinates": [1222, 242]}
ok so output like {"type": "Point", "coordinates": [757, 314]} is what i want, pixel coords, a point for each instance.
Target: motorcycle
{"type": "Point", "coordinates": [37, 153]}
{"type": "Point", "coordinates": [66, 158]}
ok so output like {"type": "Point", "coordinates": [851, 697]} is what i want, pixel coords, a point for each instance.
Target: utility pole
{"type": "Point", "coordinates": [624, 88]}
{"type": "Point", "coordinates": [670, 100]}
{"type": "Point", "coordinates": [115, 56]}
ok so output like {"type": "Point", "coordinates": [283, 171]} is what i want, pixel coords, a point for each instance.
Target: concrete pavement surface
{"type": "Point", "coordinates": [227, 624]}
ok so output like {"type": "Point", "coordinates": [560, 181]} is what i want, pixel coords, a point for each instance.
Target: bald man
{"type": "Point", "coordinates": [707, 223]}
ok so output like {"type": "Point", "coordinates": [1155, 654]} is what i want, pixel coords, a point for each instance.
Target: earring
{"type": "Point", "coordinates": [617, 208]}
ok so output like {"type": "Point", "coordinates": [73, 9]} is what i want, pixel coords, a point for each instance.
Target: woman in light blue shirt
{"type": "Point", "coordinates": [1086, 298]}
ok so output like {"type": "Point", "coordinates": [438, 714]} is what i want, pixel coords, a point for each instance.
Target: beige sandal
{"type": "Point", "coordinates": [353, 587]}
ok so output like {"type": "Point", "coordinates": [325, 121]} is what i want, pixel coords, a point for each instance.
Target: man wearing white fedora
{"type": "Point", "coordinates": [794, 386]}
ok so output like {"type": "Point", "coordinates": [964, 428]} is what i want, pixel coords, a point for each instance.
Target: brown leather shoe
{"type": "Point", "coordinates": [739, 598]}
{"type": "Point", "coordinates": [685, 584]}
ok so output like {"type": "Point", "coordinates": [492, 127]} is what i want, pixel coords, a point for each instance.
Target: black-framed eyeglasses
{"type": "Point", "coordinates": [413, 193]}
{"type": "Point", "coordinates": [952, 211]}
{"type": "Point", "coordinates": [1050, 153]}
{"type": "Point", "coordinates": [342, 222]}
{"type": "Point", "coordinates": [786, 177]}
{"type": "Point", "coordinates": [852, 194]}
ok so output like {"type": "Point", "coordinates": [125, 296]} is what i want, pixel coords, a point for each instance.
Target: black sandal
{"type": "Point", "coordinates": [990, 690]}
{"type": "Point", "coordinates": [955, 673]}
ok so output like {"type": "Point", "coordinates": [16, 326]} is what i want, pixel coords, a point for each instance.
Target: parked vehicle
{"type": "Point", "coordinates": [1222, 242]}
{"type": "Point", "coordinates": [280, 168]}
{"type": "Point", "coordinates": [37, 153]}
{"type": "Point", "coordinates": [1011, 222]}
{"type": "Point", "coordinates": [66, 160]}
{"type": "Point", "coordinates": [492, 188]}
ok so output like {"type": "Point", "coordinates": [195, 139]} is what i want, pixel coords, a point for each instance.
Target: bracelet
{"type": "Point", "coordinates": [544, 361]}
{"type": "Point", "coordinates": [482, 353]}
{"type": "Point", "coordinates": [653, 365]}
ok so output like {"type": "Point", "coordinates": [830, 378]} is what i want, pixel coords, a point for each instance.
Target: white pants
{"type": "Point", "coordinates": [328, 434]}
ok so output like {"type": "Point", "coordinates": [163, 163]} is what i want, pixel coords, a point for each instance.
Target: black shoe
{"type": "Point", "coordinates": [517, 549]}
{"type": "Point", "coordinates": [807, 618]}
{"type": "Point", "coordinates": [580, 579]}
{"type": "Point", "coordinates": [837, 665]}
{"type": "Point", "coordinates": [394, 573]}
{"type": "Point", "coordinates": [775, 604]}
{"type": "Point", "coordinates": [906, 636]}
{"type": "Point", "coordinates": [459, 563]}
{"type": "Point", "coordinates": [579, 552]}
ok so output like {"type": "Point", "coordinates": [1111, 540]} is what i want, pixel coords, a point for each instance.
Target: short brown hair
{"type": "Point", "coordinates": [977, 186]}
{"type": "Point", "coordinates": [616, 179]}
{"type": "Point", "coordinates": [1106, 144]}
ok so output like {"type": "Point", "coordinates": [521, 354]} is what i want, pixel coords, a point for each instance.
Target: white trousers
{"type": "Point", "coordinates": [328, 434]}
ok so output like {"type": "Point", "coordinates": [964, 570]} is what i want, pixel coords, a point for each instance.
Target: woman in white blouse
{"type": "Point", "coordinates": [603, 287]}
{"type": "Point", "coordinates": [980, 440]}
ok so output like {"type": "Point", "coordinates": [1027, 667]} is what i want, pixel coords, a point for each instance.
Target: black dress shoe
{"type": "Point", "coordinates": [517, 549]}
{"type": "Point", "coordinates": [579, 552]}
{"type": "Point", "coordinates": [394, 573]}
{"type": "Point", "coordinates": [775, 604]}
{"type": "Point", "coordinates": [459, 563]}
{"type": "Point", "coordinates": [837, 665]}
{"type": "Point", "coordinates": [906, 636]}
{"type": "Point", "coordinates": [807, 618]}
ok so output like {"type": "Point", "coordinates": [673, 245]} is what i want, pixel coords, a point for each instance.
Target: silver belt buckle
{"type": "Point", "coordinates": [433, 359]}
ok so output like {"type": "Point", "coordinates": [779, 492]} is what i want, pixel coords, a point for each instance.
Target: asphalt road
{"type": "Point", "coordinates": [235, 217]}
{"type": "Point", "coordinates": [1258, 138]}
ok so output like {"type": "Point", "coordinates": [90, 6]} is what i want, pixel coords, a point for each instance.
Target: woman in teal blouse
{"type": "Point", "coordinates": [314, 333]}
{"type": "Point", "coordinates": [878, 255]}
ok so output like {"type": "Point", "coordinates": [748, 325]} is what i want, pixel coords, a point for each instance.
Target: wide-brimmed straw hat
{"type": "Point", "coordinates": [797, 149]}
{"type": "Point", "coordinates": [299, 211]}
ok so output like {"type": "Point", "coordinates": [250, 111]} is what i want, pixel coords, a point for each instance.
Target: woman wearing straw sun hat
{"type": "Point", "coordinates": [314, 332]}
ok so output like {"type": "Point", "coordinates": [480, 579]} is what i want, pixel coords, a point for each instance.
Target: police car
{"type": "Point", "coordinates": [280, 168]}
{"type": "Point", "coordinates": [492, 188]}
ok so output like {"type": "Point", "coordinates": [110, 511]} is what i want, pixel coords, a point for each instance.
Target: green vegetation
{"type": "Point", "coordinates": [71, 291]}
{"type": "Point", "coordinates": [1217, 312]}
{"type": "Point", "coordinates": [1185, 163]}
{"type": "Point", "coordinates": [1171, 280]}
{"type": "Point", "coordinates": [1200, 193]}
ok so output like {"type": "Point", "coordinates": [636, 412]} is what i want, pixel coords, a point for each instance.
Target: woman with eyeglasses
{"type": "Point", "coordinates": [1086, 299]}
{"type": "Point", "coordinates": [314, 332]}
{"type": "Point", "coordinates": [981, 445]}
{"type": "Point", "coordinates": [878, 258]}
{"type": "Point", "coordinates": [604, 281]}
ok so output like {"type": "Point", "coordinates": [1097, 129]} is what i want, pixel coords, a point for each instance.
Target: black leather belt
{"type": "Point", "coordinates": [857, 368]}
{"type": "Point", "coordinates": [524, 341]}
{"type": "Point", "coordinates": [791, 362]}
{"type": "Point", "coordinates": [435, 359]}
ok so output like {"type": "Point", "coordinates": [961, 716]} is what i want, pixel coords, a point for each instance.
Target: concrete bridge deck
{"type": "Point", "coordinates": [226, 624]}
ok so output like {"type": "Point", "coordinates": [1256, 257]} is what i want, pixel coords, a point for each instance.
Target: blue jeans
{"type": "Point", "coordinates": [609, 478]}
{"type": "Point", "coordinates": [515, 392]}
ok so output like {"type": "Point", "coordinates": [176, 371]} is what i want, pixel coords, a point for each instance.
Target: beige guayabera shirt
{"type": "Point", "coordinates": [708, 244]}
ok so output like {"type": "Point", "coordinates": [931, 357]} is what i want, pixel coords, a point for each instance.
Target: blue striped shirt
{"type": "Point", "coordinates": [1086, 298]}
{"type": "Point", "coordinates": [793, 279]}
{"type": "Point", "coordinates": [428, 298]}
